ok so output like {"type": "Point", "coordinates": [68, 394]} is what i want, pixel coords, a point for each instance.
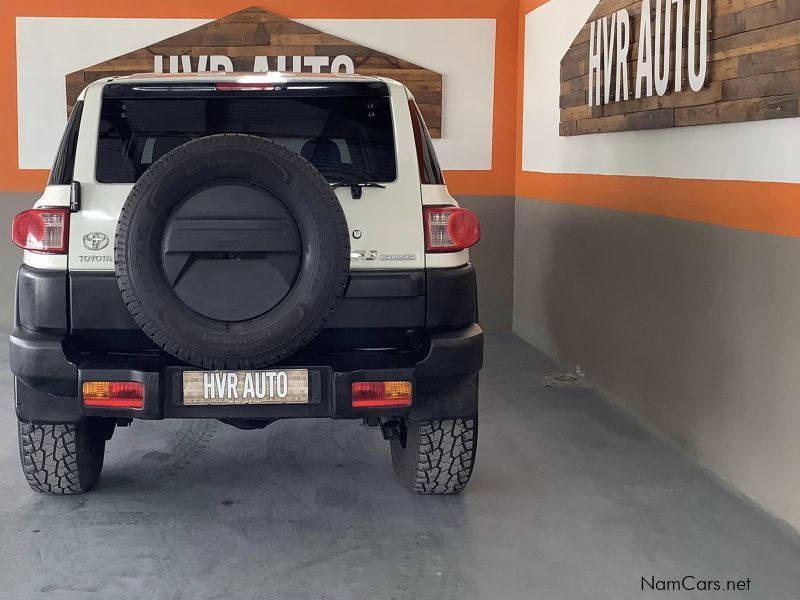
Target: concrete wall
{"type": "Point", "coordinates": [10, 255]}
{"type": "Point", "coordinates": [637, 258]}
{"type": "Point", "coordinates": [692, 327]}
{"type": "Point", "coordinates": [493, 257]}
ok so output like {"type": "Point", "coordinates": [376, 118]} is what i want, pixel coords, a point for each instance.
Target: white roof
{"type": "Point", "coordinates": [271, 77]}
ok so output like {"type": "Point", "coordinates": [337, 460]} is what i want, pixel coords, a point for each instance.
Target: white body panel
{"type": "Point", "coordinates": [385, 225]}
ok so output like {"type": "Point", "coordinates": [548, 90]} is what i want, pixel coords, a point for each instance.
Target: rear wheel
{"type": "Point", "coordinates": [435, 457]}
{"type": "Point", "coordinates": [63, 459]}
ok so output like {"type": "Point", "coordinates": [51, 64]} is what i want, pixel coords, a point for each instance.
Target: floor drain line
{"type": "Point", "coordinates": [574, 379]}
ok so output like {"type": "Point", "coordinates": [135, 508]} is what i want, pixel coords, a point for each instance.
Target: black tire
{"type": "Point", "coordinates": [225, 325]}
{"type": "Point", "coordinates": [435, 457]}
{"type": "Point", "coordinates": [62, 459]}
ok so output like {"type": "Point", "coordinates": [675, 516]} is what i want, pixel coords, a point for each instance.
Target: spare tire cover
{"type": "Point", "coordinates": [231, 252]}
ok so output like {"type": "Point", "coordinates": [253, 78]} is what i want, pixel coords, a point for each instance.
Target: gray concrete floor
{"type": "Point", "coordinates": [569, 500]}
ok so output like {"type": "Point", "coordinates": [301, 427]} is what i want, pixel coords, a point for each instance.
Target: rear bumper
{"type": "Point", "coordinates": [445, 381]}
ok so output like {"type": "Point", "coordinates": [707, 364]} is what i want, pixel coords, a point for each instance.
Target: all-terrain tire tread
{"type": "Point", "coordinates": [336, 287]}
{"type": "Point", "coordinates": [50, 457]}
{"type": "Point", "coordinates": [445, 455]}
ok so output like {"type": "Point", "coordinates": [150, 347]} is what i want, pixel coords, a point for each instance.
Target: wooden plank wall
{"type": "Point", "coordinates": [255, 32]}
{"type": "Point", "coordinates": [754, 72]}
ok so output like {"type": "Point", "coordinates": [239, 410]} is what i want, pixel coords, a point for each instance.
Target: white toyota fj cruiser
{"type": "Point", "coordinates": [246, 248]}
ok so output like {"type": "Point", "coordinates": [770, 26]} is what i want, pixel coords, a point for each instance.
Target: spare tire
{"type": "Point", "coordinates": [231, 252]}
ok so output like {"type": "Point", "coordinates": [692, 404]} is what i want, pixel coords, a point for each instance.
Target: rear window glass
{"type": "Point", "coordinates": [429, 170]}
{"type": "Point", "coordinates": [349, 139]}
{"type": "Point", "coordinates": [64, 165]}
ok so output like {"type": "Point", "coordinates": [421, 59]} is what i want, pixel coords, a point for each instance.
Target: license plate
{"type": "Point", "coordinates": [289, 386]}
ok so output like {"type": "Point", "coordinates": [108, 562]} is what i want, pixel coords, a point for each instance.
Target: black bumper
{"type": "Point", "coordinates": [428, 319]}
{"type": "Point", "coordinates": [445, 384]}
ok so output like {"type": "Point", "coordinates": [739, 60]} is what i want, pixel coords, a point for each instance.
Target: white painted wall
{"type": "Point", "coordinates": [461, 49]}
{"type": "Point", "coordinates": [48, 49]}
{"type": "Point", "coordinates": [730, 151]}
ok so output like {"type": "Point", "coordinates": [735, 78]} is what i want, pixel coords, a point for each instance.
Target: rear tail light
{"type": "Point", "coordinates": [113, 394]}
{"type": "Point", "coordinates": [450, 228]}
{"type": "Point", "coordinates": [381, 394]}
{"type": "Point", "coordinates": [42, 230]}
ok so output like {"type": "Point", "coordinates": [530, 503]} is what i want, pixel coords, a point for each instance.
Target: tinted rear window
{"type": "Point", "coordinates": [64, 164]}
{"type": "Point", "coordinates": [429, 170]}
{"type": "Point", "coordinates": [349, 139]}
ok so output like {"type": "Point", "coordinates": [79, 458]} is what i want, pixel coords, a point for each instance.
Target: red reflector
{"type": "Point", "coordinates": [450, 228]}
{"type": "Point", "coordinates": [41, 230]}
{"type": "Point", "coordinates": [113, 394]}
{"type": "Point", "coordinates": [381, 394]}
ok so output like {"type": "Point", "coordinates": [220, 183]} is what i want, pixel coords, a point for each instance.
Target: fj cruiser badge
{"type": "Point", "coordinates": [95, 240]}
{"type": "Point", "coordinates": [400, 257]}
{"type": "Point", "coordinates": [364, 255]}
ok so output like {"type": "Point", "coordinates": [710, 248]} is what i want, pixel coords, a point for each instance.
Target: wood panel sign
{"type": "Point", "coordinates": [254, 40]}
{"type": "Point", "coordinates": [654, 64]}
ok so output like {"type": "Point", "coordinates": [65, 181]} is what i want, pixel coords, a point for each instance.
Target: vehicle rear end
{"type": "Point", "coordinates": [247, 249]}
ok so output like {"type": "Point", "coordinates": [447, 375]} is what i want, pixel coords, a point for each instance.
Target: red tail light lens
{"type": "Point", "coordinates": [42, 230]}
{"type": "Point", "coordinates": [113, 394]}
{"type": "Point", "coordinates": [450, 228]}
{"type": "Point", "coordinates": [381, 394]}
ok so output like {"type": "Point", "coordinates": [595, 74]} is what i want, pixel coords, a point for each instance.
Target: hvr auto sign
{"type": "Point", "coordinates": [661, 43]}
{"type": "Point", "coordinates": [261, 64]}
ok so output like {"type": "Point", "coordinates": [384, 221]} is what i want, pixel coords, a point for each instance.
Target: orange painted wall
{"type": "Point", "coordinates": [498, 181]}
{"type": "Point", "coordinates": [755, 206]}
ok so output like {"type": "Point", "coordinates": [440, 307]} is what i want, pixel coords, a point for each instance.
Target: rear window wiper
{"type": "Point", "coordinates": [357, 187]}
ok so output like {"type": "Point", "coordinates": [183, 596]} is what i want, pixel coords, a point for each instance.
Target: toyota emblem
{"type": "Point", "coordinates": [95, 240]}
